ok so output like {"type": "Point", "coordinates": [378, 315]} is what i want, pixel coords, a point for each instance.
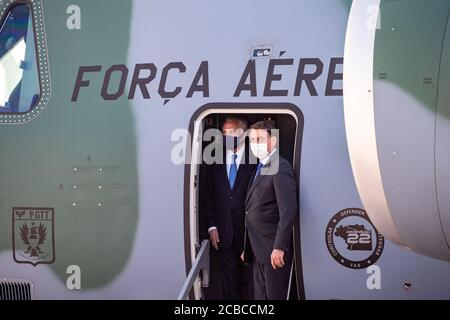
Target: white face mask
{"type": "Point", "coordinates": [259, 150]}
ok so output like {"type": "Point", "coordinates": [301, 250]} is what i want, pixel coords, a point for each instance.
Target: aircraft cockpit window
{"type": "Point", "coordinates": [19, 78]}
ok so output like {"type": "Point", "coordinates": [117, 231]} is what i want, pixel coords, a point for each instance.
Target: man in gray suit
{"type": "Point", "coordinates": [271, 207]}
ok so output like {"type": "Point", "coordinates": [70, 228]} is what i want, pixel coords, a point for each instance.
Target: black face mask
{"type": "Point", "coordinates": [230, 142]}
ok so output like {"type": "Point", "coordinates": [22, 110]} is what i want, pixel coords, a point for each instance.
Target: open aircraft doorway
{"type": "Point", "coordinates": [289, 120]}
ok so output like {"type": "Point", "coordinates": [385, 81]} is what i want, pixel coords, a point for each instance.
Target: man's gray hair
{"type": "Point", "coordinates": [243, 123]}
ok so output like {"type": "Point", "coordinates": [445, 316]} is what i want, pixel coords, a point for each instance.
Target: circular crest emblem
{"type": "Point", "coordinates": [352, 240]}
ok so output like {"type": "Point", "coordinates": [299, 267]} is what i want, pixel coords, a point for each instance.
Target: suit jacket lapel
{"type": "Point", "coordinates": [224, 173]}
{"type": "Point", "coordinates": [253, 185]}
{"type": "Point", "coordinates": [243, 169]}
{"type": "Point", "coordinates": [266, 170]}
{"type": "Point", "coordinates": [253, 182]}
{"type": "Point", "coordinates": [225, 179]}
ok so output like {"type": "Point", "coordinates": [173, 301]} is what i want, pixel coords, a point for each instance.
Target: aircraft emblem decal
{"type": "Point", "coordinates": [352, 240]}
{"type": "Point", "coordinates": [33, 235]}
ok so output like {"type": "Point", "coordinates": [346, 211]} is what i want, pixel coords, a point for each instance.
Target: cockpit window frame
{"type": "Point", "coordinates": [15, 118]}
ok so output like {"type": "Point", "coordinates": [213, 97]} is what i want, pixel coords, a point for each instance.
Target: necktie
{"type": "Point", "coordinates": [258, 170]}
{"type": "Point", "coordinates": [233, 170]}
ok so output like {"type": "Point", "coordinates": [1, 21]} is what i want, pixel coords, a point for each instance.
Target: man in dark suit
{"type": "Point", "coordinates": [270, 209]}
{"type": "Point", "coordinates": [227, 184]}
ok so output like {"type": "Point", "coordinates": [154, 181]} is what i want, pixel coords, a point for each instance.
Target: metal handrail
{"type": "Point", "coordinates": [201, 264]}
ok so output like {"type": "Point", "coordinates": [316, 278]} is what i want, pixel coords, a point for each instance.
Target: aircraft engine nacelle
{"type": "Point", "coordinates": [397, 118]}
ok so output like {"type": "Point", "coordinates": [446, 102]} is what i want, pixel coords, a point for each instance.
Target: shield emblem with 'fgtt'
{"type": "Point", "coordinates": [33, 235]}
